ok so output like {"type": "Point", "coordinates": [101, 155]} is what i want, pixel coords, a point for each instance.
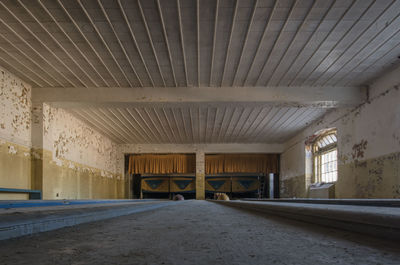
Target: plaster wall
{"type": "Point", "coordinates": [15, 134]}
{"type": "Point", "coordinates": [78, 162]}
{"type": "Point", "coordinates": [368, 148]}
{"type": "Point", "coordinates": [47, 148]}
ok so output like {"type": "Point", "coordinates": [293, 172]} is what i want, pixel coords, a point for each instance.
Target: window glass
{"type": "Point", "coordinates": [325, 158]}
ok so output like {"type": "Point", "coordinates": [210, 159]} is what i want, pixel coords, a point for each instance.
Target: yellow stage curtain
{"type": "Point", "coordinates": [242, 163]}
{"type": "Point", "coordinates": [162, 164]}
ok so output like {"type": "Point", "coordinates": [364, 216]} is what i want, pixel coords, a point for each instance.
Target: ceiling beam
{"type": "Point", "coordinates": [266, 28]}
{"type": "Point", "coordinates": [339, 20]}
{"type": "Point", "coordinates": [228, 48]}
{"type": "Point", "coordinates": [323, 97]}
{"type": "Point", "coordinates": [77, 48]}
{"type": "Point", "coordinates": [246, 38]}
{"type": "Point", "coordinates": [207, 148]}
{"type": "Point", "coordinates": [153, 49]}
{"type": "Point", "coordinates": [361, 19]}
{"type": "Point", "coordinates": [121, 45]}
{"type": "Point", "coordinates": [164, 30]}
{"type": "Point", "coordinates": [276, 40]}
{"type": "Point", "coordinates": [82, 34]}
{"type": "Point", "coordinates": [182, 41]}
{"type": "Point", "coordinates": [105, 44]}
{"type": "Point", "coordinates": [132, 34]}
{"type": "Point", "coordinates": [355, 43]}
{"type": "Point", "coordinates": [214, 42]}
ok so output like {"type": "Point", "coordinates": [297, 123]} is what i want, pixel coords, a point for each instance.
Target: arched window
{"type": "Point", "coordinates": [325, 157]}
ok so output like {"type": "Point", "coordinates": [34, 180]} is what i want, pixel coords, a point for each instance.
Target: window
{"type": "Point", "coordinates": [325, 157]}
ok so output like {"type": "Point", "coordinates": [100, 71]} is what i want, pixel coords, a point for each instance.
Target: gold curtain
{"type": "Point", "coordinates": [214, 164]}
{"type": "Point", "coordinates": [162, 164]}
{"type": "Point", "coordinates": [242, 163]}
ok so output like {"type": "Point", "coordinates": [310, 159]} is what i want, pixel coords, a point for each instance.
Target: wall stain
{"type": "Point", "coordinates": [16, 105]}
{"type": "Point", "coordinates": [358, 149]}
{"type": "Point", "coordinates": [70, 138]}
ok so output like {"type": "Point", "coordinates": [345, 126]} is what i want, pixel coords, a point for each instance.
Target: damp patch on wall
{"type": "Point", "coordinates": [15, 109]}
{"type": "Point", "coordinates": [69, 138]}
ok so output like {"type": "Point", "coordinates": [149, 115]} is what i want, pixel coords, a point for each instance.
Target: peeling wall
{"type": "Point", "coordinates": [71, 139]}
{"type": "Point", "coordinates": [69, 160]}
{"type": "Point", "coordinates": [15, 134]}
{"type": "Point", "coordinates": [368, 149]}
{"type": "Point", "coordinates": [15, 109]}
{"type": "Point", "coordinates": [79, 162]}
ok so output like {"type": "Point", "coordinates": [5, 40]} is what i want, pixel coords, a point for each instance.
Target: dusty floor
{"type": "Point", "coordinates": [198, 232]}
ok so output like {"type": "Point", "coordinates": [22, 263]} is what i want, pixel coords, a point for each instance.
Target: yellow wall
{"type": "Point", "coordinates": [65, 180]}
{"type": "Point", "coordinates": [70, 180]}
{"type": "Point", "coordinates": [15, 169]}
{"type": "Point", "coordinates": [78, 162]}
{"type": "Point", "coordinates": [368, 147]}
{"type": "Point", "coordinates": [371, 178]}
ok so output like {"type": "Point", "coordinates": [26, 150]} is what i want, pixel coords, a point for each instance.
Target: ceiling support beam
{"type": "Point", "coordinates": [276, 40]}
{"type": "Point", "coordinates": [150, 40]}
{"type": "Point", "coordinates": [128, 24]}
{"type": "Point", "coordinates": [105, 44]}
{"type": "Point", "coordinates": [266, 28]}
{"type": "Point", "coordinates": [354, 43]}
{"type": "Point", "coordinates": [137, 133]}
{"type": "Point", "coordinates": [214, 42]}
{"type": "Point", "coordinates": [43, 44]}
{"type": "Point", "coordinates": [166, 41]}
{"type": "Point", "coordinates": [207, 148]}
{"type": "Point", "coordinates": [83, 54]}
{"type": "Point", "coordinates": [243, 125]}
{"type": "Point", "coordinates": [25, 76]}
{"type": "Point", "coordinates": [11, 67]}
{"type": "Point", "coordinates": [321, 97]}
{"type": "Point", "coordinates": [60, 45]}
{"type": "Point", "coordinates": [361, 18]}
{"type": "Point", "coordinates": [82, 34]}
{"type": "Point", "coordinates": [251, 125]}
{"type": "Point", "coordinates": [182, 41]}
{"type": "Point", "coordinates": [369, 51]}
{"type": "Point", "coordinates": [293, 41]}
{"type": "Point", "coordinates": [198, 40]}
{"type": "Point", "coordinates": [26, 56]}
{"type": "Point", "coordinates": [160, 137]}
{"type": "Point", "coordinates": [294, 60]}
{"type": "Point", "coordinates": [114, 30]}
{"type": "Point", "coordinates": [338, 21]}
{"type": "Point", "coordinates": [229, 41]}
{"type": "Point", "coordinates": [246, 37]}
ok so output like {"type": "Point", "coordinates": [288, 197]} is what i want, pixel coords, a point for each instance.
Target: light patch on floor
{"type": "Point", "coordinates": [198, 232]}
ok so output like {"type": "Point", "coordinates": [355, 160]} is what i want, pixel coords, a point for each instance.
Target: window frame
{"type": "Point", "coordinates": [318, 152]}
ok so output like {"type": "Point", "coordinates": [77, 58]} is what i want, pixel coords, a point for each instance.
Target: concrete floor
{"type": "Point", "coordinates": [198, 232]}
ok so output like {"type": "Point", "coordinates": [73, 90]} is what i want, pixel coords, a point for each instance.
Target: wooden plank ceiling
{"type": "Point", "coordinates": [198, 43]}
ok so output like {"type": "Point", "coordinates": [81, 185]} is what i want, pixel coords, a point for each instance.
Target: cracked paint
{"type": "Point", "coordinates": [368, 150]}
{"type": "Point", "coordinates": [15, 109]}
{"type": "Point", "coordinates": [70, 138]}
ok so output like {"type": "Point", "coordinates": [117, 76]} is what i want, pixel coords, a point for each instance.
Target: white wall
{"type": "Point", "coordinates": [69, 138]}
{"type": "Point", "coordinates": [368, 146]}
{"type": "Point", "coordinates": [15, 134]}
{"type": "Point", "coordinates": [15, 109]}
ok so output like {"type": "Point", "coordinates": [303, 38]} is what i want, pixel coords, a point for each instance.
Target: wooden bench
{"type": "Point", "coordinates": [33, 194]}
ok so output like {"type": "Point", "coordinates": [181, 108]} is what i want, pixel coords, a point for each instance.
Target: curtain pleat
{"type": "Point", "coordinates": [242, 163]}
{"type": "Point", "coordinates": [214, 164]}
{"type": "Point", "coordinates": [162, 164]}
